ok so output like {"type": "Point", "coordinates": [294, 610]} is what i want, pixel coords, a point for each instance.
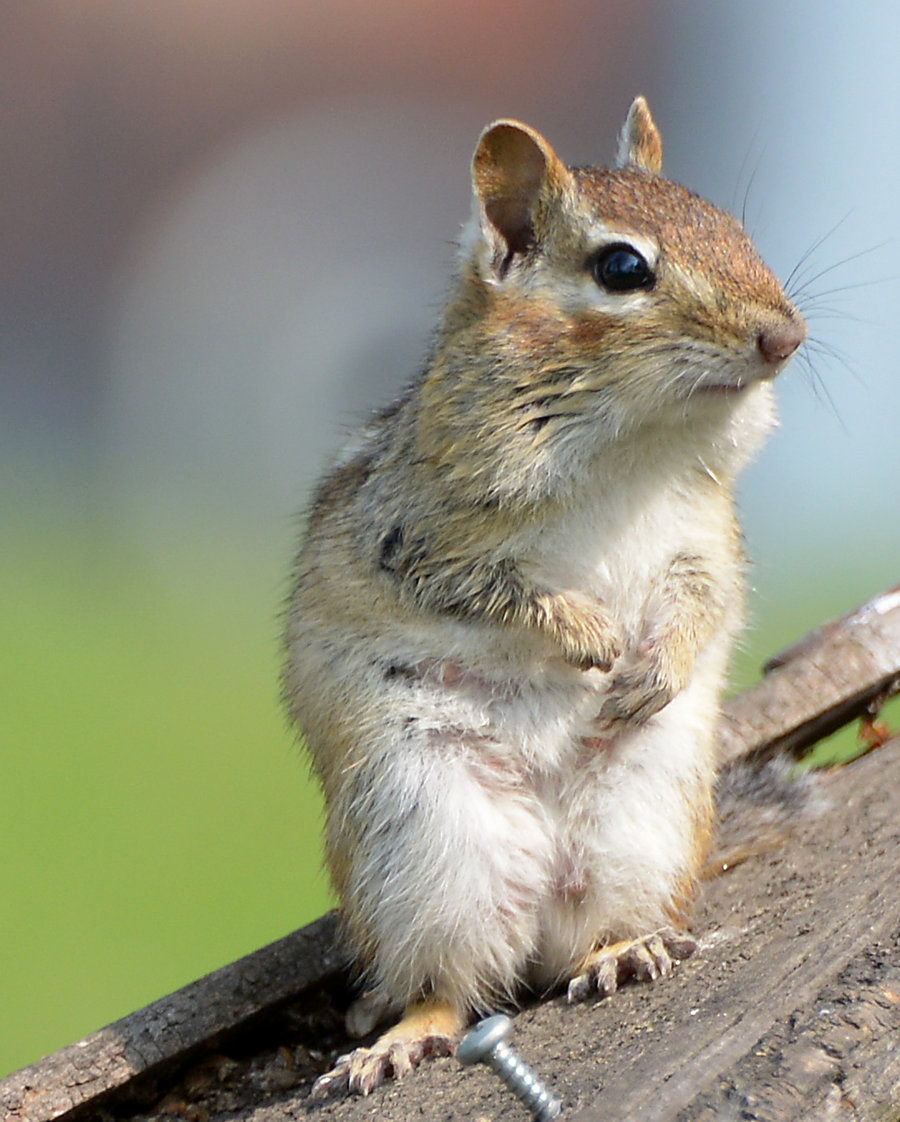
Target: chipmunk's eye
{"type": "Point", "coordinates": [620, 268]}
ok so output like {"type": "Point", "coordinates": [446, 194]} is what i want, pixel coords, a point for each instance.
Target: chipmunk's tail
{"type": "Point", "coordinates": [758, 807]}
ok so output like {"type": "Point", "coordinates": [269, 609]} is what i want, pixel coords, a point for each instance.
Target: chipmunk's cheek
{"type": "Point", "coordinates": [600, 330]}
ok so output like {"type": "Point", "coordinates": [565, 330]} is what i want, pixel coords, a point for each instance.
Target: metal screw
{"type": "Point", "coordinates": [486, 1043]}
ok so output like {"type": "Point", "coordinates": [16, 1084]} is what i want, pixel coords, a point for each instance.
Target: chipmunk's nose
{"type": "Point", "coordinates": [777, 343]}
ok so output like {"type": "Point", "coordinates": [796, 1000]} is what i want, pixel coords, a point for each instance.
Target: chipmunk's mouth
{"type": "Point", "coordinates": [722, 389]}
{"type": "Point", "coordinates": [740, 372]}
{"type": "Point", "coordinates": [737, 386]}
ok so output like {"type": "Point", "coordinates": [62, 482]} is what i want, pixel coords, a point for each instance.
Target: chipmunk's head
{"type": "Point", "coordinates": [648, 296]}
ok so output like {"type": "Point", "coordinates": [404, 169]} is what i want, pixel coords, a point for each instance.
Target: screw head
{"type": "Point", "coordinates": [480, 1041]}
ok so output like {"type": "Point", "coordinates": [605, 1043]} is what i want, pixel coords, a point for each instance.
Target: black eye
{"type": "Point", "coordinates": [620, 268]}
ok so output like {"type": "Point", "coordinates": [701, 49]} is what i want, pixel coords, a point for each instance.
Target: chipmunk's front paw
{"type": "Point", "coordinates": [591, 658]}
{"type": "Point", "coordinates": [589, 637]}
{"type": "Point", "coordinates": [362, 1070]}
{"type": "Point", "coordinates": [645, 959]}
{"type": "Point", "coordinates": [428, 1029]}
{"type": "Point", "coordinates": [636, 693]}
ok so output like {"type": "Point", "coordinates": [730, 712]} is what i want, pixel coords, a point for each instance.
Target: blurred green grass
{"type": "Point", "coordinates": [156, 818]}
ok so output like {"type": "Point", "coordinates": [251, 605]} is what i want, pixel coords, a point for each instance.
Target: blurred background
{"type": "Point", "coordinates": [226, 228]}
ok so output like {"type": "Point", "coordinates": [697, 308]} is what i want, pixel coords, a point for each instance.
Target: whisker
{"type": "Point", "coordinates": [817, 244]}
{"type": "Point", "coordinates": [815, 311]}
{"type": "Point", "coordinates": [740, 175]}
{"type": "Point", "coordinates": [820, 387]}
{"type": "Point", "coordinates": [797, 293]}
{"type": "Point", "coordinates": [837, 290]}
{"type": "Point", "coordinates": [749, 188]}
{"type": "Point", "coordinates": [830, 351]}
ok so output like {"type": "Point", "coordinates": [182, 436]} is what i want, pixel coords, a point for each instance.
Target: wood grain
{"type": "Point", "coordinates": [845, 669]}
{"type": "Point", "coordinates": [790, 1011]}
{"type": "Point", "coordinates": [171, 1029]}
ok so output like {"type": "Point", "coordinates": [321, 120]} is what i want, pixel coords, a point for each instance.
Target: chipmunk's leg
{"type": "Point", "coordinates": [428, 1028]}
{"type": "Point", "coordinates": [452, 855]}
{"type": "Point", "coordinates": [646, 958]}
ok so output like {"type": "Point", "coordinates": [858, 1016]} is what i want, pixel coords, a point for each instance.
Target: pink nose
{"type": "Point", "coordinates": [777, 344]}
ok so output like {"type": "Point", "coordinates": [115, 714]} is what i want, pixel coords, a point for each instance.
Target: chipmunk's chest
{"type": "Point", "coordinates": [618, 544]}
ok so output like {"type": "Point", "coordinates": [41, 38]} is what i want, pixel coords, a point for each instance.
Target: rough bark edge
{"type": "Point", "coordinates": [842, 670]}
{"type": "Point", "coordinates": [803, 1033]}
{"type": "Point", "coordinates": [847, 668]}
{"type": "Point", "coordinates": [172, 1028]}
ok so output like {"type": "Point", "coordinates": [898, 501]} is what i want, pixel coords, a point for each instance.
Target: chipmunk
{"type": "Point", "coordinates": [518, 591]}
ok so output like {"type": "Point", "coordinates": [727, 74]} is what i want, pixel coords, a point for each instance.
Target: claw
{"type": "Point", "coordinates": [645, 959]}
{"type": "Point", "coordinates": [639, 963]}
{"type": "Point", "coordinates": [403, 1058]}
{"type": "Point", "coordinates": [427, 1030]}
{"type": "Point", "coordinates": [335, 1080]}
{"type": "Point", "coordinates": [368, 1069]}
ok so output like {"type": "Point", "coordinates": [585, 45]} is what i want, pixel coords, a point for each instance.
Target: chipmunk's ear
{"type": "Point", "coordinates": [516, 176]}
{"type": "Point", "coordinates": [640, 145]}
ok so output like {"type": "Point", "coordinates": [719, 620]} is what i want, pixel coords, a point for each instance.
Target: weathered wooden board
{"type": "Point", "coordinates": [792, 1006]}
{"type": "Point", "coordinates": [172, 1028]}
{"type": "Point", "coordinates": [790, 1010]}
{"type": "Point", "coordinates": [835, 673]}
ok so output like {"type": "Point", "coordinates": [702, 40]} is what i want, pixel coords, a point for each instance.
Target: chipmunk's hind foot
{"type": "Point", "coordinates": [645, 959]}
{"type": "Point", "coordinates": [428, 1029]}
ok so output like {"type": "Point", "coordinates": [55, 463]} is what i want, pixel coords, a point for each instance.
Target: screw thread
{"type": "Point", "coordinates": [522, 1081]}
